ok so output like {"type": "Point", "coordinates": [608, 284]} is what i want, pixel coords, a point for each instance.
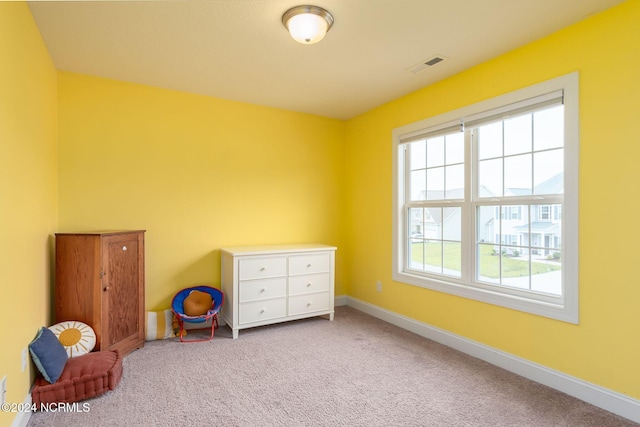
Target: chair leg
{"type": "Point", "coordinates": [181, 330]}
{"type": "Point", "coordinates": [214, 326]}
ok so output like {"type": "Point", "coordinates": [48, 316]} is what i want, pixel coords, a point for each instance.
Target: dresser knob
{"type": "Point", "coordinates": [124, 248]}
{"type": "Point", "coordinates": [262, 290]}
{"type": "Point", "coordinates": [308, 265]}
{"type": "Point", "coordinates": [264, 310]}
{"type": "Point", "coordinates": [263, 268]}
{"type": "Point", "coordinates": [308, 285]}
{"type": "Point", "coordinates": [309, 304]}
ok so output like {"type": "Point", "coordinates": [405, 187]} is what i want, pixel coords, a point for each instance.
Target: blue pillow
{"type": "Point", "coordinates": [48, 354]}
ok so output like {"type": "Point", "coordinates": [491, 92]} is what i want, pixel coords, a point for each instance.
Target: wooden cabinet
{"type": "Point", "coordinates": [100, 281]}
{"type": "Point", "coordinates": [271, 284]}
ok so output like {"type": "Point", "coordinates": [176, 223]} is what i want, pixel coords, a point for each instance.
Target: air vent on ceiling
{"type": "Point", "coordinates": [426, 64]}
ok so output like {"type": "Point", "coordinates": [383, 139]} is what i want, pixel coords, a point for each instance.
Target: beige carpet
{"type": "Point", "coordinates": [354, 371]}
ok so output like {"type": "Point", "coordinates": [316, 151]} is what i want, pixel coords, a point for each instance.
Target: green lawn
{"type": "Point", "coordinates": [489, 264]}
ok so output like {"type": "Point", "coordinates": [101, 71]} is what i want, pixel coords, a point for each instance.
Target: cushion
{"type": "Point", "coordinates": [83, 377]}
{"type": "Point", "coordinates": [76, 337]}
{"type": "Point", "coordinates": [159, 325]}
{"type": "Point", "coordinates": [197, 303]}
{"type": "Point", "coordinates": [48, 354]}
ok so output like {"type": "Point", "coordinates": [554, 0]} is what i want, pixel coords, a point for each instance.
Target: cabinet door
{"type": "Point", "coordinates": [120, 284]}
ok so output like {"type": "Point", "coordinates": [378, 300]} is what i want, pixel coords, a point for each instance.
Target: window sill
{"type": "Point", "coordinates": [566, 312]}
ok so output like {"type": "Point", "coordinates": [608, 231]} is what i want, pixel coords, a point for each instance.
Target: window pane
{"type": "Point", "coordinates": [488, 263]}
{"type": "Point", "coordinates": [515, 225]}
{"type": "Point", "coordinates": [418, 155]}
{"type": "Point", "coordinates": [490, 141]}
{"type": "Point", "coordinates": [435, 183]}
{"type": "Point", "coordinates": [433, 256]}
{"type": "Point", "coordinates": [557, 216]}
{"type": "Point", "coordinates": [418, 185]}
{"type": "Point", "coordinates": [455, 148]}
{"type": "Point", "coordinates": [435, 151]}
{"type": "Point", "coordinates": [416, 254]}
{"type": "Point", "coordinates": [490, 178]}
{"type": "Point", "coordinates": [547, 275]}
{"type": "Point", "coordinates": [517, 135]}
{"type": "Point", "coordinates": [432, 228]}
{"type": "Point", "coordinates": [453, 258]}
{"type": "Point", "coordinates": [455, 182]}
{"type": "Point", "coordinates": [415, 222]}
{"type": "Point", "coordinates": [548, 167]}
{"type": "Point", "coordinates": [517, 175]}
{"type": "Point", "coordinates": [548, 128]}
{"type": "Point", "coordinates": [515, 268]}
{"type": "Point", "coordinates": [488, 224]}
{"type": "Point", "coordinates": [546, 226]}
{"type": "Point", "coordinates": [451, 224]}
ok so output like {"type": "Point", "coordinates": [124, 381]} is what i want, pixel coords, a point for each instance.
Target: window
{"type": "Point", "coordinates": [479, 197]}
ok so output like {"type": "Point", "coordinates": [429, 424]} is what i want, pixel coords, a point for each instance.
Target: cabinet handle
{"type": "Point", "coordinates": [106, 288]}
{"type": "Point", "coordinates": [124, 248]}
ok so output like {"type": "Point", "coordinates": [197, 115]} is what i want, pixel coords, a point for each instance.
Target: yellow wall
{"type": "Point", "coordinates": [200, 173]}
{"type": "Point", "coordinates": [604, 347]}
{"type": "Point", "coordinates": [197, 173]}
{"type": "Point", "coordinates": [28, 191]}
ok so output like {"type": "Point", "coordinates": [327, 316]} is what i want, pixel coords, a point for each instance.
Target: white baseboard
{"type": "Point", "coordinates": [601, 397]}
{"type": "Point", "coordinates": [341, 300]}
{"type": "Point", "coordinates": [22, 419]}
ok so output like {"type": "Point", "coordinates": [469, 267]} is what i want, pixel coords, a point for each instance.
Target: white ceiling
{"type": "Point", "coordinates": [239, 49]}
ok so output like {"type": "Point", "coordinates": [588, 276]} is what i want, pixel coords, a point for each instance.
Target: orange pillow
{"type": "Point", "coordinates": [197, 303]}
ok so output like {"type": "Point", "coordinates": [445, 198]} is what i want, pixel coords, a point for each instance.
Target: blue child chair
{"type": "Point", "coordinates": [177, 306]}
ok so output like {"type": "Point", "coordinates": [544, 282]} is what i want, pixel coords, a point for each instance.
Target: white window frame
{"type": "Point", "coordinates": [564, 308]}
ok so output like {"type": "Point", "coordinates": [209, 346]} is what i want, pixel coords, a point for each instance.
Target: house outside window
{"type": "Point", "coordinates": [479, 195]}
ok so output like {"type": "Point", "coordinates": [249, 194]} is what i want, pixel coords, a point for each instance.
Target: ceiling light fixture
{"type": "Point", "coordinates": [307, 24]}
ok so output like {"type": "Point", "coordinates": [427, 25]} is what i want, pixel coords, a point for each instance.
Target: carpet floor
{"type": "Point", "coordinates": [354, 371]}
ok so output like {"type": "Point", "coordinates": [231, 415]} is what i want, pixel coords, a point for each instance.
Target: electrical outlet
{"type": "Point", "coordinates": [25, 357]}
{"type": "Point", "coordinates": [379, 286]}
{"type": "Point", "coordinates": [3, 390]}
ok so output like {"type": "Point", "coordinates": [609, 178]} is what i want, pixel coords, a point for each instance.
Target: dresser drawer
{"type": "Point", "coordinates": [262, 289]}
{"type": "Point", "coordinates": [262, 310]}
{"type": "Point", "coordinates": [260, 268]}
{"type": "Point", "coordinates": [301, 304]}
{"type": "Point", "coordinates": [309, 283]}
{"type": "Point", "coordinates": [309, 264]}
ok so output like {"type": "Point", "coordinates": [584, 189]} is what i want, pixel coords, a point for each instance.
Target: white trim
{"type": "Point", "coordinates": [23, 417]}
{"type": "Point", "coordinates": [341, 300]}
{"type": "Point", "coordinates": [596, 395]}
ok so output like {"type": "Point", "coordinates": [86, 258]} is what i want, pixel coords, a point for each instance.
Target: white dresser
{"type": "Point", "coordinates": [271, 284]}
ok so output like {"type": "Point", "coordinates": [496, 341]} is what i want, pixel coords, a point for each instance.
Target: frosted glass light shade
{"type": "Point", "coordinates": [307, 28]}
{"type": "Point", "coordinates": [307, 24]}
